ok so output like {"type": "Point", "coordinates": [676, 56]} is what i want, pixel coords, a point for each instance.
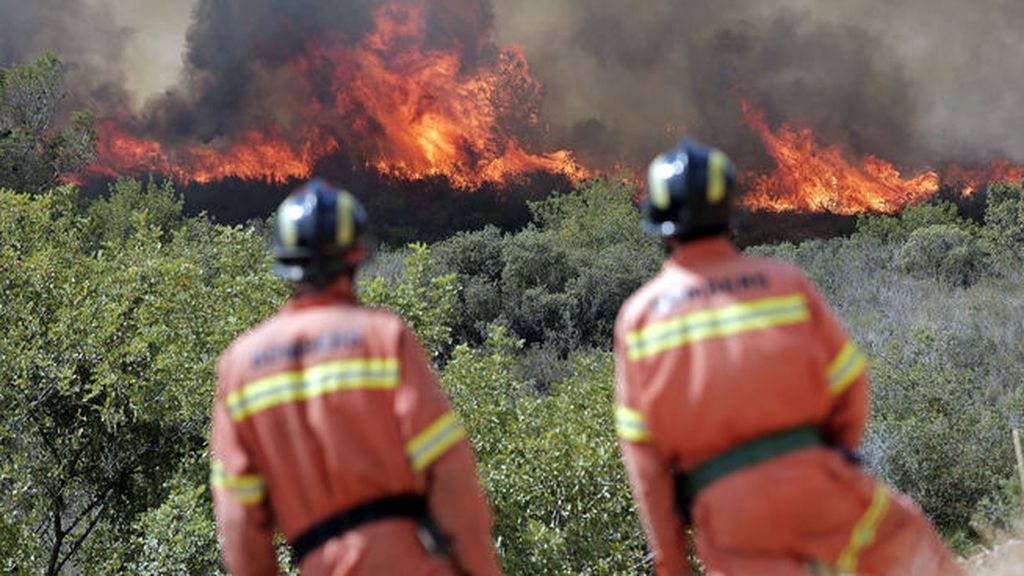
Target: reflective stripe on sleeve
{"type": "Point", "coordinates": [717, 323]}
{"type": "Point", "coordinates": [864, 531]}
{"type": "Point", "coordinates": [630, 425]}
{"type": "Point", "coordinates": [293, 386]}
{"type": "Point", "coordinates": [431, 443]}
{"type": "Point", "coordinates": [248, 489]}
{"type": "Point", "coordinates": [847, 366]}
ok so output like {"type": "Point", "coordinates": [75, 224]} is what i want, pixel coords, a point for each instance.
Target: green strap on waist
{"type": "Point", "coordinates": [750, 453]}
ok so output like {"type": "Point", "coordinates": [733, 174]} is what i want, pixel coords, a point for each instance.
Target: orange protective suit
{"type": "Point", "coordinates": [719, 350]}
{"type": "Point", "coordinates": [328, 405]}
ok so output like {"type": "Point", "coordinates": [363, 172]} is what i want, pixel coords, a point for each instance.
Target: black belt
{"type": "Point", "coordinates": [412, 506]}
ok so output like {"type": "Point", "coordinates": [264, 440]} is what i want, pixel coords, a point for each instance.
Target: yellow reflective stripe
{"type": "Point", "coordinates": [287, 228]}
{"type": "Point", "coordinates": [293, 386]}
{"type": "Point", "coordinates": [248, 489]}
{"type": "Point", "coordinates": [717, 323]}
{"type": "Point", "coordinates": [630, 425]}
{"type": "Point", "coordinates": [431, 443]}
{"type": "Point", "coordinates": [658, 173]}
{"type": "Point", "coordinates": [716, 176]}
{"type": "Point", "coordinates": [345, 221]}
{"type": "Point", "coordinates": [848, 365]}
{"type": "Point", "coordinates": [864, 532]}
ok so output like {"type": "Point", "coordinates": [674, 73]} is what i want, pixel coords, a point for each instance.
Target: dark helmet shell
{"type": "Point", "coordinates": [320, 233]}
{"type": "Point", "coordinates": [689, 192]}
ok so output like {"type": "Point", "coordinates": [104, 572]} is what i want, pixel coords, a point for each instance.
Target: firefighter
{"type": "Point", "coordinates": [330, 425]}
{"type": "Point", "coordinates": [740, 403]}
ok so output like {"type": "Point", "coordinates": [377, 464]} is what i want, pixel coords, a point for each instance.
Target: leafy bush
{"type": "Point", "coordinates": [559, 282]}
{"type": "Point", "coordinates": [109, 356]}
{"type": "Point", "coordinates": [944, 325]}
{"type": "Point", "coordinates": [899, 228]}
{"type": "Point", "coordinates": [549, 462]}
{"type": "Point", "coordinates": [426, 303]}
{"type": "Point", "coordinates": [1004, 229]}
{"type": "Point", "coordinates": [944, 252]}
{"type": "Point", "coordinates": [34, 152]}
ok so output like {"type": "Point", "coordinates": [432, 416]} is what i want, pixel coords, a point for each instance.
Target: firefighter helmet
{"type": "Point", "coordinates": [689, 192]}
{"type": "Point", "coordinates": [320, 234]}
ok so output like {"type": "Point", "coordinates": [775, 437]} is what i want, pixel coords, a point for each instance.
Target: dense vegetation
{"type": "Point", "coordinates": [115, 308]}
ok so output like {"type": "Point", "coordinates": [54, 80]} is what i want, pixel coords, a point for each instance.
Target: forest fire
{"type": "Point", "coordinates": [970, 180]}
{"type": "Point", "coordinates": [394, 101]}
{"type": "Point", "coordinates": [420, 91]}
{"type": "Point", "coordinates": [810, 177]}
{"type": "Point", "coordinates": [256, 156]}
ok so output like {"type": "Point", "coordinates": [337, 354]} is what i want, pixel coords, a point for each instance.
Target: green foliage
{"type": "Point", "coordinates": [933, 299]}
{"type": "Point", "coordinates": [938, 433]}
{"type": "Point", "coordinates": [426, 303]}
{"type": "Point", "coordinates": [111, 219]}
{"type": "Point", "coordinates": [33, 153]}
{"type": "Point", "coordinates": [945, 252]}
{"type": "Point", "coordinates": [559, 282]}
{"type": "Point", "coordinates": [112, 336]}
{"type": "Point", "coordinates": [549, 462]}
{"type": "Point", "coordinates": [899, 228]}
{"type": "Point", "coordinates": [599, 214]}
{"type": "Point", "coordinates": [175, 537]}
{"type": "Point", "coordinates": [1004, 228]}
{"type": "Point", "coordinates": [116, 309]}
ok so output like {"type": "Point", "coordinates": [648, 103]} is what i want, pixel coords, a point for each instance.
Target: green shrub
{"type": "Point", "coordinates": [549, 462]}
{"type": "Point", "coordinates": [1004, 229]}
{"type": "Point", "coordinates": [899, 228]}
{"type": "Point", "coordinates": [945, 252]}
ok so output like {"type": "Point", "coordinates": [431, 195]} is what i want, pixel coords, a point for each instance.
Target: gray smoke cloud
{"type": "Point", "coordinates": [916, 82]}
{"type": "Point", "coordinates": [85, 35]}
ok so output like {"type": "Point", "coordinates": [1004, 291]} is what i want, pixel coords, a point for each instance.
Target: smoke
{"type": "Point", "coordinates": [916, 82]}
{"type": "Point", "coordinates": [77, 28]}
{"type": "Point", "coordinates": [239, 64]}
{"type": "Point", "coordinates": [922, 81]}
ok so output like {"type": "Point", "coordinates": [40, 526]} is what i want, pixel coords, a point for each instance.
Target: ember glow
{"type": "Point", "coordinates": [392, 101]}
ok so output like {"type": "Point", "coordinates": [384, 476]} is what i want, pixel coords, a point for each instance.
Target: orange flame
{"type": "Point", "coordinates": [813, 178]}
{"type": "Point", "coordinates": [400, 106]}
{"type": "Point", "coordinates": [810, 177]}
{"type": "Point", "coordinates": [969, 180]}
{"type": "Point", "coordinates": [256, 156]}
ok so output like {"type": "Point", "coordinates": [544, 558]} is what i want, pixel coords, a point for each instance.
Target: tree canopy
{"type": "Point", "coordinates": [39, 142]}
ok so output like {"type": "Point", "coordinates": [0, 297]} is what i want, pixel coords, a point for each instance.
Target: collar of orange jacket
{"type": "Point", "coordinates": [703, 250]}
{"type": "Point", "coordinates": [341, 290]}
